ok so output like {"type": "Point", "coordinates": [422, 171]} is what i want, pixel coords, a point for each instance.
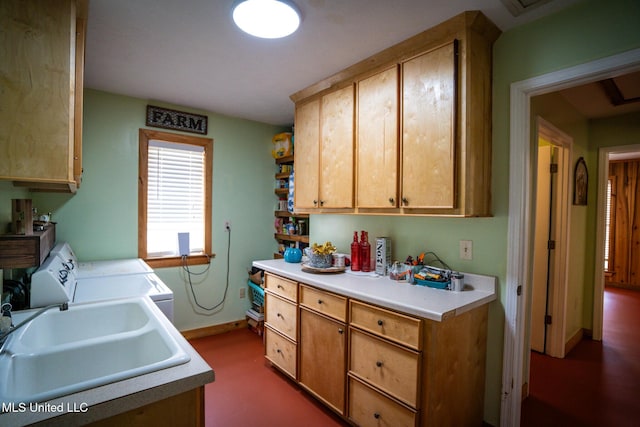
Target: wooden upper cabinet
{"type": "Point", "coordinates": [336, 151]}
{"type": "Point", "coordinates": [377, 140]}
{"type": "Point", "coordinates": [324, 151]}
{"type": "Point", "coordinates": [429, 143]}
{"type": "Point", "coordinates": [41, 83]}
{"type": "Point", "coordinates": [307, 155]}
{"type": "Point", "coordinates": [423, 134]}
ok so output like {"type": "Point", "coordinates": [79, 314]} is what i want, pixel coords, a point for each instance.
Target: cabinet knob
{"type": "Point", "coordinates": [340, 331]}
{"type": "Point", "coordinates": [319, 301]}
{"type": "Point", "coordinates": [392, 200]}
{"type": "Point", "coordinates": [405, 201]}
{"type": "Point", "coordinates": [376, 415]}
{"type": "Point", "coordinates": [380, 322]}
{"type": "Point", "coordinates": [280, 287]}
{"type": "Point", "coordinates": [315, 203]}
{"type": "Point", "coordinates": [278, 351]}
{"type": "Point", "coordinates": [321, 202]}
{"type": "Point", "coordinates": [279, 315]}
{"type": "Point", "coordinates": [379, 364]}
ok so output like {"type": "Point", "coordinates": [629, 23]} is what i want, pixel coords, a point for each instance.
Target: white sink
{"type": "Point", "coordinates": [63, 352]}
{"type": "Point", "coordinates": [56, 327]}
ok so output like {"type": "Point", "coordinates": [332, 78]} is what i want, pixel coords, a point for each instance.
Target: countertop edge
{"type": "Point", "coordinates": [482, 292]}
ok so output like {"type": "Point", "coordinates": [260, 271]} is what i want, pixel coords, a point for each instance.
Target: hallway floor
{"type": "Point", "coordinates": [598, 383]}
{"type": "Point", "coordinates": [249, 392]}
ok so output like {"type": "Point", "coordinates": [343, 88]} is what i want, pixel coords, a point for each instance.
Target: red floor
{"type": "Point", "coordinates": [247, 392]}
{"type": "Point", "coordinates": [598, 383]}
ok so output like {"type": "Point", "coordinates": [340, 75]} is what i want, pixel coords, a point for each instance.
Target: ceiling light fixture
{"type": "Point", "coordinates": [268, 19]}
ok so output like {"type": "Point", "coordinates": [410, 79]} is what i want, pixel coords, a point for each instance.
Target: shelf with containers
{"type": "Point", "coordinates": [291, 229]}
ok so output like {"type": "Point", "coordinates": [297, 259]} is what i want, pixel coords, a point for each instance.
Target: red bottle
{"type": "Point", "coordinates": [365, 252]}
{"type": "Point", "coordinates": [355, 253]}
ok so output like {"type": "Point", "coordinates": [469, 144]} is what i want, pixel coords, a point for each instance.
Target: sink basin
{"type": "Point", "coordinates": [63, 352]}
{"type": "Point", "coordinates": [56, 327]}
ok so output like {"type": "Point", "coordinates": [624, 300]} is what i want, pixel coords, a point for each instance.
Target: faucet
{"type": "Point", "coordinates": [6, 309]}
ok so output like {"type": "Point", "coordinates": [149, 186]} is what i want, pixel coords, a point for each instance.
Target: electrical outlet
{"type": "Point", "coordinates": [466, 249]}
{"type": "Point", "coordinates": [243, 292]}
{"type": "Point", "coordinates": [227, 225]}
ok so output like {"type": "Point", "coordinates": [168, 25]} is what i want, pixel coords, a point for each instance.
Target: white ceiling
{"type": "Point", "coordinates": [189, 52]}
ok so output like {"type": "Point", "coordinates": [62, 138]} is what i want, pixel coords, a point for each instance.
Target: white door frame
{"type": "Point", "coordinates": [519, 230]}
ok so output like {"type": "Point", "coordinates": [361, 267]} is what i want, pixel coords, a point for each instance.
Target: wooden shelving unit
{"type": "Point", "coordinates": [282, 236]}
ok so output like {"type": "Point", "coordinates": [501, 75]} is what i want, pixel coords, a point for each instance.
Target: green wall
{"type": "Point", "coordinates": [101, 220]}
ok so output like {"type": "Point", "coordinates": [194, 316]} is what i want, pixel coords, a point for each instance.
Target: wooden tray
{"type": "Point", "coordinates": [309, 269]}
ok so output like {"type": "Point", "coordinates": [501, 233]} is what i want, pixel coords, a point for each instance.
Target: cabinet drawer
{"type": "Point", "coordinates": [284, 287]}
{"type": "Point", "coordinates": [323, 302]}
{"type": "Point", "coordinates": [280, 351]}
{"type": "Point", "coordinates": [370, 408]}
{"type": "Point", "coordinates": [281, 315]}
{"type": "Point", "coordinates": [393, 369]}
{"type": "Point", "coordinates": [396, 327]}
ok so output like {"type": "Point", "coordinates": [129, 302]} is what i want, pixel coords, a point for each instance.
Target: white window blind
{"type": "Point", "coordinates": [175, 197]}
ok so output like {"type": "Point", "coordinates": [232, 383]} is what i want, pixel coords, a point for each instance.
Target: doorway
{"type": "Point", "coordinates": [519, 234]}
{"type": "Point", "coordinates": [604, 155]}
{"type": "Point", "coordinates": [550, 241]}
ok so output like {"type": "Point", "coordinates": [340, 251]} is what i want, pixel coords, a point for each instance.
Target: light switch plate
{"type": "Point", "coordinates": [466, 249]}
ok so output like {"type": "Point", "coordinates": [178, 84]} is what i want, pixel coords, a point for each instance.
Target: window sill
{"type": "Point", "coordinates": [176, 261]}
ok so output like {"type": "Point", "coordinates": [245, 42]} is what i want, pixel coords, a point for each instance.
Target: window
{"type": "Point", "coordinates": [174, 196]}
{"type": "Point", "coordinates": [608, 225]}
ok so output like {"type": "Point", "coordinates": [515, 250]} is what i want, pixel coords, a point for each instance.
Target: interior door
{"type": "Point", "coordinates": [541, 252]}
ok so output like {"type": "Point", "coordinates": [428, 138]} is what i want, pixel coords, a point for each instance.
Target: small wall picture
{"type": "Point", "coordinates": [581, 182]}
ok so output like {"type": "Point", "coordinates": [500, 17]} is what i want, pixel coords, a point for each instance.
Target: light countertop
{"type": "Point", "coordinates": [421, 301]}
{"type": "Point", "coordinates": [111, 399]}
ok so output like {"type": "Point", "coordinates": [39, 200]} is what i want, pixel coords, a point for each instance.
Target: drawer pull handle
{"type": "Point", "coordinates": [380, 322]}
{"type": "Point", "coordinates": [379, 364]}
{"type": "Point", "coordinates": [279, 315]}
{"type": "Point", "coordinates": [319, 301]}
{"type": "Point", "coordinates": [280, 287]}
{"type": "Point", "coordinates": [376, 415]}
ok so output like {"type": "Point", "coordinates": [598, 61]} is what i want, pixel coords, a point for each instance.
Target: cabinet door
{"type": "Point", "coordinates": [307, 155]}
{"type": "Point", "coordinates": [322, 358]}
{"type": "Point", "coordinates": [336, 167]}
{"type": "Point", "coordinates": [377, 141]}
{"type": "Point", "coordinates": [429, 101]}
{"type": "Point", "coordinates": [38, 91]}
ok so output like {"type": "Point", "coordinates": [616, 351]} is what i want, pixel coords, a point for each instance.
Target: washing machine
{"type": "Point", "coordinates": [57, 281]}
{"type": "Point", "coordinates": [115, 267]}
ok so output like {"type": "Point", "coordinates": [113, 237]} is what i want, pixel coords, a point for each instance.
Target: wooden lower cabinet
{"type": "Point", "coordinates": [375, 366]}
{"type": "Point", "coordinates": [281, 321]}
{"type": "Point", "coordinates": [391, 368]}
{"type": "Point", "coordinates": [323, 344]}
{"type": "Point", "coordinates": [282, 315]}
{"type": "Point", "coordinates": [370, 408]}
{"type": "Point", "coordinates": [280, 351]}
{"type": "Point", "coordinates": [185, 409]}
